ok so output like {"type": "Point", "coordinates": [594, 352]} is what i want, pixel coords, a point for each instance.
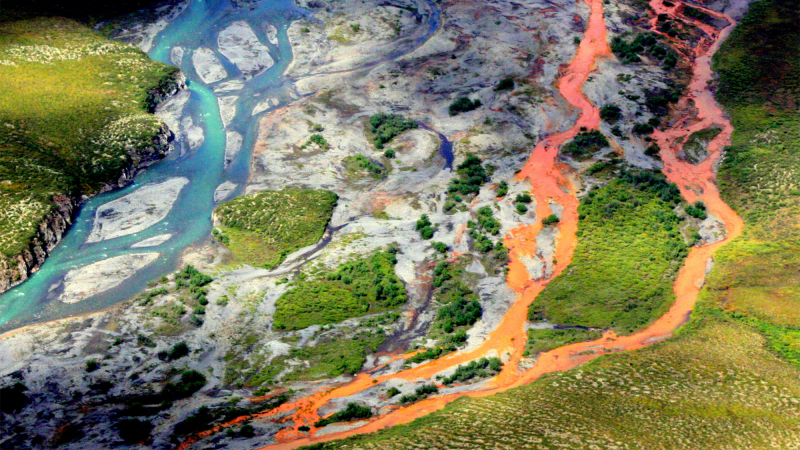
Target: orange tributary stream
{"type": "Point", "coordinates": [550, 185]}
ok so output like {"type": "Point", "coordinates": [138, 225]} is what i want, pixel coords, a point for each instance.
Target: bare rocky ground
{"type": "Point", "coordinates": [339, 77]}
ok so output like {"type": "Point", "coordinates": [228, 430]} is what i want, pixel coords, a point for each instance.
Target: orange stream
{"type": "Point", "coordinates": [550, 185]}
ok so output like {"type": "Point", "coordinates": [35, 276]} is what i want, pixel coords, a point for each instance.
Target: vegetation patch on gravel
{"type": "Point", "coordinates": [629, 250]}
{"type": "Point", "coordinates": [356, 288]}
{"type": "Point", "coordinates": [262, 229]}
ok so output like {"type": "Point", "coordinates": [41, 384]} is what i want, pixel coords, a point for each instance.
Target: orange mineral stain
{"type": "Point", "coordinates": [550, 185]}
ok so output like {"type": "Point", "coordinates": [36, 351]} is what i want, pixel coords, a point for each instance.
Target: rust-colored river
{"type": "Point", "coordinates": [550, 184]}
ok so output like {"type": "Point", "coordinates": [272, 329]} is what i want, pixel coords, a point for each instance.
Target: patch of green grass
{"type": "Point", "coordinates": [74, 111]}
{"type": "Point", "coordinates": [755, 277]}
{"type": "Point", "coordinates": [629, 250]}
{"type": "Point", "coordinates": [356, 288]}
{"type": "Point", "coordinates": [543, 340]}
{"type": "Point", "coordinates": [263, 228]}
{"type": "Point", "coordinates": [714, 388]}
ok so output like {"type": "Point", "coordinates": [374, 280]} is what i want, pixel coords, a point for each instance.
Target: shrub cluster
{"type": "Point", "coordinates": [353, 411]}
{"type": "Point", "coordinates": [385, 127]}
{"type": "Point", "coordinates": [585, 144]}
{"type": "Point", "coordinates": [463, 104]}
{"type": "Point", "coordinates": [354, 289]}
{"type": "Point", "coordinates": [420, 393]}
{"type": "Point", "coordinates": [479, 368]}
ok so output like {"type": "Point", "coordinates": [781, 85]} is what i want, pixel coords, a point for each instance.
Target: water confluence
{"type": "Point", "coordinates": [188, 223]}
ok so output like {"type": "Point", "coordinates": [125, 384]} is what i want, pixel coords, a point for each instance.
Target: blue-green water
{"type": "Point", "coordinates": [189, 221]}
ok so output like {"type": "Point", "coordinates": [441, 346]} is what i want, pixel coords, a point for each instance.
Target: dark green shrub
{"type": "Point", "coordinates": [698, 210]}
{"type": "Point", "coordinates": [425, 227]}
{"type": "Point", "coordinates": [642, 129]}
{"type": "Point", "coordinates": [92, 365]}
{"type": "Point", "coordinates": [191, 381]}
{"type": "Point", "coordinates": [471, 176]}
{"type": "Point", "coordinates": [585, 144]}
{"type": "Point", "coordinates": [13, 398]}
{"type": "Point", "coordinates": [389, 154]}
{"type": "Point", "coordinates": [502, 189]}
{"type": "Point", "coordinates": [385, 127]}
{"type": "Point", "coordinates": [506, 84]}
{"type": "Point", "coordinates": [440, 247]}
{"type": "Point", "coordinates": [521, 208]}
{"type": "Point", "coordinates": [133, 431]}
{"type": "Point", "coordinates": [552, 219]}
{"type": "Point", "coordinates": [392, 392]}
{"type": "Point", "coordinates": [353, 411]}
{"type": "Point", "coordinates": [463, 104]}
{"type": "Point", "coordinates": [523, 198]}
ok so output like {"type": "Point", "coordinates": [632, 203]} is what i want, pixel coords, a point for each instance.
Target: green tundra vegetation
{"type": "Point", "coordinates": [704, 388]}
{"type": "Point", "coordinates": [545, 339]}
{"type": "Point", "coordinates": [353, 411]}
{"type": "Point", "coordinates": [262, 229]}
{"type": "Point", "coordinates": [756, 277]}
{"type": "Point", "coordinates": [629, 250]}
{"type": "Point", "coordinates": [585, 145]}
{"type": "Point", "coordinates": [385, 127]}
{"type": "Point", "coordinates": [74, 109]}
{"type": "Point", "coordinates": [359, 166]}
{"type": "Point", "coordinates": [358, 287]}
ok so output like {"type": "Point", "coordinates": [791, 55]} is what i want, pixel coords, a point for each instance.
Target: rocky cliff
{"type": "Point", "coordinates": [14, 271]}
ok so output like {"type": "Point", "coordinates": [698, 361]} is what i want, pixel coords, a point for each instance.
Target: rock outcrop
{"type": "Point", "coordinates": [15, 270]}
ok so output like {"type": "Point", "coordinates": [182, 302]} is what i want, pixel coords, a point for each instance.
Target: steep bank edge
{"type": "Point", "coordinates": [14, 271]}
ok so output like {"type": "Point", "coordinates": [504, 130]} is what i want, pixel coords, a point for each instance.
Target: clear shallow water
{"type": "Point", "coordinates": [189, 221]}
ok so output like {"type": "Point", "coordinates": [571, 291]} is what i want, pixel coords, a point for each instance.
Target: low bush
{"type": "Point", "coordinates": [463, 104]}
{"type": "Point", "coordinates": [353, 411]}
{"type": "Point", "coordinates": [356, 288]}
{"type": "Point", "coordinates": [385, 127]}
{"type": "Point", "coordinates": [585, 145]}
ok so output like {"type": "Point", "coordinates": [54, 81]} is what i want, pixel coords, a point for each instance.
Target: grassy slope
{"type": "Point", "coordinates": [72, 104]}
{"type": "Point", "coordinates": [629, 251]}
{"type": "Point", "coordinates": [758, 275]}
{"type": "Point", "coordinates": [723, 382]}
{"type": "Point", "coordinates": [264, 228]}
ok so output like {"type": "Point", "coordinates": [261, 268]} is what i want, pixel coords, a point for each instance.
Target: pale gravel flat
{"type": "Point", "coordinates": [103, 275]}
{"type": "Point", "coordinates": [136, 211]}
